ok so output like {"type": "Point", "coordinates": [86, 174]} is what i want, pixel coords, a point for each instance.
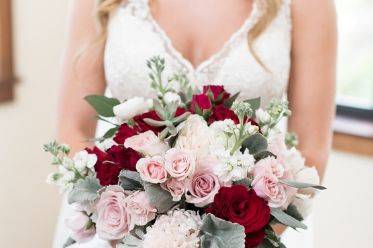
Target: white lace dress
{"type": "Point", "coordinates": [134, 36]}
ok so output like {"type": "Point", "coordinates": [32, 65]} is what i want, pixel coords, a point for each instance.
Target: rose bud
{"type": "Point", "coordinates": [216, 93]}
{"type": "Point", "coordinates": [201, 105]}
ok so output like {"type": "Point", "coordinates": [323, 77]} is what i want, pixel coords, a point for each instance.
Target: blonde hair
{"type": "Point", "coordinates": [269, 8]}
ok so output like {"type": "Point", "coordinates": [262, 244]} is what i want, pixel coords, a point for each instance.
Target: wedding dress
{"type": "Point", "coordinates": [134, 36]}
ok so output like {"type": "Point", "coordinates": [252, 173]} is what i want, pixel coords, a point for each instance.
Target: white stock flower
{"type": "Point", "coordinates": [263, 116]}
{"type": "Point", "coordinates": [195, 136]}
{"type": "Point", "coordinates": [179, 228]}
{"type": "Point", "coordinates": [106, 144]}
{"type": "Point", "coordinates": [83, 160]}
{"type": "Point", "coordinates": [222, 134]}
{"type": "Point", "coordinates": [171, 97]}
{"type": "Point", "coordinates": [132, 107]}
{"type": "Point", "coordinates": [233, 167]}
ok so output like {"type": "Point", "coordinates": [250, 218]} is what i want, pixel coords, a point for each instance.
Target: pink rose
{"type": "Point", "coordinates": [81, 227]}
{"type": "Point", "coordinates": [202, 187]}
{"type": "Point", "coordinates": [152, 169]}
{"type": "Point", "coordinates": [266, 186]}
{"type": "Point", "coordinates": [146, 143]}
{"type": "Point", "coordinates": [140, 209]}
{"type": "Point", "coordinates": [175, 187]}
{"type": "Point", "coordinates": [179, 163]}
{"type": "Point", "coordinates": [112, 216]}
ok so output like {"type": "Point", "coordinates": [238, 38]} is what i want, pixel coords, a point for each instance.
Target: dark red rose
{"type": "Point", "coordinates": [200, 104]}
{"type": "Point", "coordinates": [110, 163]}
{"type": "Point", "coordinates": [216, 92]}
{"type": "Point", "coordinates": [180, 111]}
{"type": "Point", "coordinates": [143, 126]}
{"type": "Point", "coordinates": [124, 132]}
{"type": "Point", "coordinates": [221, 113]}
{"type": "Point", "coordinates": [239, 205]}
{"type": "Point", "coordinates": [254, 239]}
{"type": "Point", "coordinates": [125, 158]}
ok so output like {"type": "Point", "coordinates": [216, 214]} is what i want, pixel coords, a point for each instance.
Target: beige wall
{"type": "Point", "coordinates": [29, 207]}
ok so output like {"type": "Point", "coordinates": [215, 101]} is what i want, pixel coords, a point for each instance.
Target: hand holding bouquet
{"type": "Point", "coordinates": [186, 169]}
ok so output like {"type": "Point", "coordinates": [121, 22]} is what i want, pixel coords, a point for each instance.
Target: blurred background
{"type": "Point", "coordinates": [29, 207]}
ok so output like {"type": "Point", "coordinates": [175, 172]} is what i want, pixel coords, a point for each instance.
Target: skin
{"type": "Point", "coordinates": [312, 78]}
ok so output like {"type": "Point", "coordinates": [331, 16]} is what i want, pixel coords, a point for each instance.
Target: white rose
{"type": "Point", "coordinates": [195, 136]}
{"type": "Point", "coordinates": [307, 175]}
{"type": "Point", "coordinates": [170, 97]}
{"type": "Point", "coordinates": [84, 160]}
{"type": "Point", "coordinates": [262, 116]}
{"type": "Point", "coordinates": [294, 160]}
{"type": "Point", "coordinates": [132, 107]}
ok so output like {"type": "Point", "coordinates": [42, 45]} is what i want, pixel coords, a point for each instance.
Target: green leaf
{"type": "Point", "coordinates": [158, 197]}
{"type": "Point", "coordinates": [245, 182]}
{"type": "Point", "coordinates": [286, 219]}
{"type": "Point", "coordinates": [154, 123]}
{"type": "Point", "coordinates": [85, 190]}
{"type": "Point", "coordinates": [130, 180]}
{"type": "Point", "coordinates": [299, 185]}
{"type": "Point", "coordinates": [102, 104]}
{"type": "Point", "coordinates": [254, 103]}
{"type": "Point", "coordinates": [110, 133]}
{"type": "Point", "coordinates": [229, 102]}
{"type": "Point", "coordinates": [218, 233]}
{"type": "Point", "coordinates": [268, 244]}
{"type": "Point", "coordinates": [263, 155]}
{"type": "Point", "coordinates": [293, 212]}
{"type": "Point", "coordinates": [68, 242]}
{"type": "Point", "coordinates": [256, 143]}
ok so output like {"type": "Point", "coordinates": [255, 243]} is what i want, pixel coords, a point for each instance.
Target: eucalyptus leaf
{"type": "Point", "coordinates": [218, 233]}
{"type": "Point", "coordinates": [130, 180]}
{"type": "Point", "coordinates": [229, 102]}
{"type": "Point", "coordinates": [263, 155]}
{"type": "Point", "coordinates": [254, 103]}
{"type": "Point", "coordinates": [158, 197]}
{"type": "Point", "coordinates": [256, 143]}
{"type": "Point", "coordinates": [245, 182]}
{"type": "Point", "coordinates": [85, 190]}
{"type": "Point", "coordinates": [299, 185]}
{"type": "Point", "coordinates": [68, 242]}
{"type": "Point", "coordinates": [293, 212]}
{"type": "Point", "coordinates": [110, 133]}
{"type": "Point", "coordinates": [102, 104]}
{"type": "Point", "coordinates": [286, 219]}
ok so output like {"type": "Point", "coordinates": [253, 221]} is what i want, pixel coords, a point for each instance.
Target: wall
{"type": "Point", "coordinates": [29, 207]}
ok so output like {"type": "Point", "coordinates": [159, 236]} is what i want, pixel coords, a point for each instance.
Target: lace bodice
{"type": "Point", "coordinates": [134, 36]}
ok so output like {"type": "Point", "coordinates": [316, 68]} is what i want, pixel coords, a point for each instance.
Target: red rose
{"type": "Point", "coordinates": [200, 104]}
{"type": "Point", "coordinates": [216, 93]}
{"type": "Point", "coordinates": [239, 205]}
{"type": "Point", "coordinates": [125, 158]}
{"type": "Point", "coordinates": [124, 132]}
{"type": "Point", "coordinates": [143, 126]}
{"type": "Point", "coordinates": [110, 163]}
{"type": "Point", "coordinates": [221, 113]}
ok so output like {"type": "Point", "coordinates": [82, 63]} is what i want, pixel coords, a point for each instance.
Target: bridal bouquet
{"type": "Point", "coordinates": [186, 169]}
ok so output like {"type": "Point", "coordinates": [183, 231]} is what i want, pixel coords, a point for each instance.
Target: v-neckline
{"type": "Point", "coordinates": [245, 28]}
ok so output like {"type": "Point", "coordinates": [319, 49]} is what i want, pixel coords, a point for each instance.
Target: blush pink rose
{"type": "Point", "coordinates": [140, 209]}
{"type": "Point", "coordinates": [80, 228]}
{"type": "Point", "coordinates": [180, 163]}
{"type": "Point", "coordinates": [175, 187]}
{"type": "Point", "coordinates": [146, 143]}
{"type": "Point", "coordinates": [202, 187]}
{"type": "Point", "coordinates": [152, 169]}
{"type": "Point", "coordinates": [113, 219]}
{"type": "Point", "coordinates": [267, 186]}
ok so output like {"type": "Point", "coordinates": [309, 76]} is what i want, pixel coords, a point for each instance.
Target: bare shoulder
{"type": "Point", "coordinates": [313, 11]}
{"type": "Point", "coordinates": [81, 16]}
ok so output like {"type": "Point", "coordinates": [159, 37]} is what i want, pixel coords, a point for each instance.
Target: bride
{"type": "Point", "coordinates": [263, 48]}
